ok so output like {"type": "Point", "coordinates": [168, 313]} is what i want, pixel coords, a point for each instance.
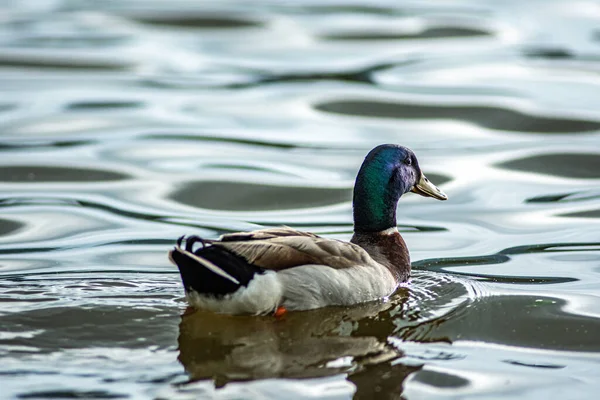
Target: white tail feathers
{"type": "Point", "coordinates": [263, 295]}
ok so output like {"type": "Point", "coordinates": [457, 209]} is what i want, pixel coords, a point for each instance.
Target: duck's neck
{"type": "Point", "coordinates": [376, 194]}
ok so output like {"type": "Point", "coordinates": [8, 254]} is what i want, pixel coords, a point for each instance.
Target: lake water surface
{"type": "Point", "coordinates": [125, 124]}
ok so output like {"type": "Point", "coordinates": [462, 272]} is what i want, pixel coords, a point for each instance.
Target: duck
{"type": "Point", "coordinates": [280, 269]}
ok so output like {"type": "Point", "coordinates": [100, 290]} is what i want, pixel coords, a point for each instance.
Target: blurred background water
{"type": "Point", "coordinates": [127, 123]}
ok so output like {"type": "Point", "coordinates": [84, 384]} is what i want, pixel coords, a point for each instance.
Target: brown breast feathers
{"type": "Point", "coordinates": [387, 249]}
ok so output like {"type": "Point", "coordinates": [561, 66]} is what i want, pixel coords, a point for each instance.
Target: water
{"type": "Point", "coordinates": [125, 124]}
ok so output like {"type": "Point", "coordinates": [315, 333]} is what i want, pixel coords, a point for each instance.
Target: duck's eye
{"type": "Point", "coordinates": [408, 161]}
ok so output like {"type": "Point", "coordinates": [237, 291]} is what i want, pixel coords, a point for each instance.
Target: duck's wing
{"type": "Point", "coordinates": [268, 233]}
{"type": "Point", "coordinates": [281, 248]}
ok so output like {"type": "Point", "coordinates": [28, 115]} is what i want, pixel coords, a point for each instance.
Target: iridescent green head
{"type": "Point", "coordinates": [387, 173]}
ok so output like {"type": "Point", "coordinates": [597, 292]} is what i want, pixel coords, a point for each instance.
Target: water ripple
{"type": "Point", "coordinates": [489, 117]}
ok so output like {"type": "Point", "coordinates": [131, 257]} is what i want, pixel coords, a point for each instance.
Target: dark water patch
{"type": "Point", "coordinates": [583, 214]}
{"type": "Point", "coordinates": [440, 379]}
{"type": "Point", "coordinates": [7, 107]}
{"type": "Point", "coordinates": [552, 248]}
{"type": "Point", "coordinates": [439, 264]}
{"type": "Point", "coordinates": [549, 53]}
{"type": "Point", "coordinates": [238, 196]}
{"type": "Point", "coordinates": [585, 195]}
{"type": "Point", "coordinates": [65, 63]}
{"type": "Point", "coordinates": [361, 9]}
{"type": "Point", "coordinates": [516, 280]}
{"type": "Point", "coordinates": [12, 145]}
{"type": "Point", "coordinates": [237, 80]}
{"type": "Point", "coordinates": [46, 174]}
{"type": "Point", "coordinates": [430, 33]}
{"type": "Point", "coordinates": [489, 117]}
{"type": "Point", "coordinates": [22, 292]}
{"type": "Point", "coordinates": [553, 198]}
{"type": "Point", "coordinates": [103, 105]}
{"type": "Point", "coordinates": [536, 365]}
{"type": "Point", "coordinates": [568, 165]}
{"type": "Point", "coordinates": [362, 75]}
{"type": "Point", "coordinates": [72, 394]}
{"type": "Point", "coordinates": [8, 226]}
{"type": "Point", "coordinates": [197, 21]}
{"type": "Point", "coordinates": [21, 372]}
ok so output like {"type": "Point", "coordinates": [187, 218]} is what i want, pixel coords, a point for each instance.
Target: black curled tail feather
{"type": "Point", "coordinates": [190, 241]}
{"type": "Point", "coordinates": [211, 270]}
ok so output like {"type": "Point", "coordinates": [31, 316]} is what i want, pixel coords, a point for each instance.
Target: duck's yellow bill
{"type": "Point", "coordinates": [428, 189]}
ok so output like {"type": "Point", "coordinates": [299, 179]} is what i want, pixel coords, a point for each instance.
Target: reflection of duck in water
{"type": "Point", "coordinates": [278, 269]}
{"type": "Point", "coordinates": [308, 344]}
{"type": "Point", "coordinates": [363, 341]}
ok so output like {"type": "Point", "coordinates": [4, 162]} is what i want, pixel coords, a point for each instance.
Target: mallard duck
{"type": "Point", "coordinates": [274, 270]}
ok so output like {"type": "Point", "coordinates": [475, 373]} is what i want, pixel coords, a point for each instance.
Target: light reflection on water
{"type": "Point", "coordinates": [125, 125]}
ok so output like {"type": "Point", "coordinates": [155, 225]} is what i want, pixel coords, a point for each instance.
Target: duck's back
{"type": "Point", "coordinates": [279, 267]}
